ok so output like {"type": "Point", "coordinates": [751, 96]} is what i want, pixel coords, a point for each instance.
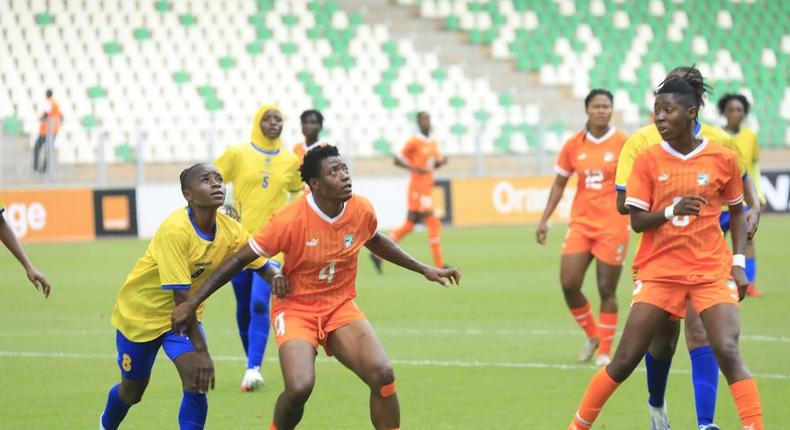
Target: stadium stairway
{"type": "Point", "coordinates": [453, 49]}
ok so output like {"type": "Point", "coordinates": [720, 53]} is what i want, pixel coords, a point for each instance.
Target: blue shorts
{"type": "Point", "coordinates": [724, 219]}
{"type": "Point", "coordinates": [136, 359]}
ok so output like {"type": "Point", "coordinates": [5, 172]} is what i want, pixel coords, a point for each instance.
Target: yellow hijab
{"type": "Point", "coordinates": [257, 137]}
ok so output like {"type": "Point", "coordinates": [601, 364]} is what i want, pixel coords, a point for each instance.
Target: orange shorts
{"type": "Point", "coordinates": [672, 297]}
{"type": "Point", "coordinates": [420, 199]}
{"type": "Point", "coordinates": [609, 245]}
{"type": "Point", "coordinates": [314, 326]}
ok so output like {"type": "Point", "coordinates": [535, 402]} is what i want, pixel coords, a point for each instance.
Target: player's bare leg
{"type": "Point", "coordinates": [722, 323]}
{"type": "Point", "coordinates": [297, 362]}
{"type": "Point", "coordinates": [607, 275]}
{"type": "Point", "coordinates": [358, 348]}
{"type": "Point", "coordinates": [131, 391]}
{"type": "Point", "coordinates": [572, 270]}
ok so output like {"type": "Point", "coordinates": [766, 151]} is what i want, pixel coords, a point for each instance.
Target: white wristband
{"type": "Point", "coordinates": [739, 260]}
{"type": "Point", "coordinates": [669, 212]}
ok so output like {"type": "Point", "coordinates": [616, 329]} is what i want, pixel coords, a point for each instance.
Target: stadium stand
{"type": "Point", "coordinates": [742, 45]}
{"type": "Point", "coordinates": [221, 59]}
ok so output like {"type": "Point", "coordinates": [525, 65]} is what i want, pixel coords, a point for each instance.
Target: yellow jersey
{"type": "Point", "coordinates": [746, 139]}
{"type": "Point", "coordinates": [2, 206]}
{"type": "Point", "coordinates": [179, 257]}
{"type": "Point", "coordinates": [649, 135]}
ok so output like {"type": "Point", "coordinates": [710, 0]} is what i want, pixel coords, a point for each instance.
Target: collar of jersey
{"type": "Point", "coordinates": [311, 202]}
{"type": "Point", "coordinates": [605, 137]}
{"type": "Point", "coordinates": [423, 137]}
{"type": "Point", "coordinates": [263, 151]}
{"type": "Point", "coordinates": [667, 147]}
{"type": "Point", "coordinates": [204, 236]}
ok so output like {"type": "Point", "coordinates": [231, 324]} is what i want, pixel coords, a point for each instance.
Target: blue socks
{"type": "Point", "coordinates": [657, 377]}
{"type": "Point", "coordinates": [259, 321]}
{"type": "Point", "coordinates": [194, 408]}
{"type": "Point", "coordinates": [751, 269]}
{"type": "Point", "coordinates": [705, 376]}
{"type": "Point", "coordinates": [115, 410]}
{"type": "Point", "coordinates": [242, 286]}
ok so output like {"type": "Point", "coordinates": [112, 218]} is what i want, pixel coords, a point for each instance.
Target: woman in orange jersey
{"type": "Point", "coordinates": [321, 235]}
{"type": "Point", "coordinates": [596, 229]}
{"type": "Point", "coordinates": [674, 195]}
{"type": "Point", "coordinates": [312, 124]}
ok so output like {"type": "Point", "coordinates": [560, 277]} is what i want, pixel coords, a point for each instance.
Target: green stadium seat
{"type": "Point", "coordinates": [89, 122]}
{"type": "Point", "coordinates": [227, 63]}
{"type": "Point", "coordinates": [163, 6]}
{"type": "Point", "coordinates": [43, 19]}
{"type": "Point", "coordinates": [187, 20]}
{"type": "Point", "coordinates": [112, 48]}
{"type": "Point", "coordinates": [96, 92]}
{"type": "Point", "coordinates": [142, 34]}
{"type": "Point", "coordinates": [12, 126]}
{"type": "Point", "coordinates": [181, 77]}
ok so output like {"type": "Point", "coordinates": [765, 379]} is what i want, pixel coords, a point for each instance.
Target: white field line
{"type": "Point", "coordinates": [396, 362]}
{"type": "Point", "coordinates": [384, 330]}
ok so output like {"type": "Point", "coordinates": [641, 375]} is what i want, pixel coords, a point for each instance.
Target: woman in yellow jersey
{"type": "Point", "coordinates": [188, 246]}
{"type": "Point", "coordinates": [735, 107]}
{"type": "Point", "coordinates": [10, 241]}
{"type": "Point", "coordinates": [262, 173]}
{"type": "Point", "coordinates": [704, 370]}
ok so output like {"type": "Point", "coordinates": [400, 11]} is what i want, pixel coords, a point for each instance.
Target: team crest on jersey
{"type": "Point", "coordinates": [608, 157]}
{"type": "Point", "coordinates": [348, 240]}
{"type": "Point", "coordinates": [582, 156]}
{"type": "Point", "coordinates": [702, 178]}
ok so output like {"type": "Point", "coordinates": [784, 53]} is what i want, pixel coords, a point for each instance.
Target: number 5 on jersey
{"type": "Point", "coordinates": [327, 272]}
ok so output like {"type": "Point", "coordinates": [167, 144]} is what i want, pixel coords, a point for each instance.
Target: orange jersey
{"type": "Point", "coordinates": [54, 117]}
{"type": "Point", "coordinates": [686, 250]}
{"type": "Point", "coordinates": [421, 152]}
{"type": "Point", "coordinates": [595, 162]}
{"type": "Point", "coordinates": [301, 149]}
{"type": "Point", "coordinates": [320, 252]}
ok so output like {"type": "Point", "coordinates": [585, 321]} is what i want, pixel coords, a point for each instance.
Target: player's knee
{"type": "Point", "coordinates": [383, 381]}
{"type": "Point", "coordinates": [622, 365]}
{"type": "Point", "coordinates": [131, 394]}
{"type": "Point", "coordinates": [259, 307]}
{"type": "Point", "coordinates": [662, 347]}
{"type": "Point", "coordinates": [299, 391]}
{"type": "Point", "coordinates": [696, 338]}
{"type": "Point", "coordinates": [570, 283]}
{"type": "Point", "coordinates": [727, 354]}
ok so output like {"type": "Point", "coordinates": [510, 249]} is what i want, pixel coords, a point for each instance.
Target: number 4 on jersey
{"type": "Point", "coordinates": [327, 272]}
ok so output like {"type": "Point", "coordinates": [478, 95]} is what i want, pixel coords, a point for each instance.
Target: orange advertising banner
{"type": "Point", "coordinates": [50, 215]}
{"type": "Point", "coordinates": [506, 201]}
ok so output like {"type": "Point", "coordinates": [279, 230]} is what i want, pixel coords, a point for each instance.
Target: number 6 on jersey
{"type": "Point", "coordinates": [327, 272]}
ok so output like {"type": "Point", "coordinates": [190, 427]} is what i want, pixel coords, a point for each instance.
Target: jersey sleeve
{"type": "Point", "coordinates": [625, 163]}
{"type": "Point", "coordinates": [733, 188]}
{"type": "Point", "coordinates": [639, 193]}
{"type": "Point", "coordinates": [2, 206]}
{"type": "Point", "coordinates": [171, 249]}
{"type": "Point", "coordinates": [564, 166]}
{"type": "Point", "coordinates": [272, 238]}
{"type": "Point", "coordinates": [227, 164]}
{"type": "Point", "coordinates": [371, 221]}
{"type": "Point", "coordinates": [408, 150]}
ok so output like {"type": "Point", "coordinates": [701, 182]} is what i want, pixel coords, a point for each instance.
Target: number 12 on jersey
{"type": "Point", "coordinates": [327, 272]}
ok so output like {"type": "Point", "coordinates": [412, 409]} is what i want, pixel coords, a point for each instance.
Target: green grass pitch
{"type": "Point", "coordinates": [497, 352]}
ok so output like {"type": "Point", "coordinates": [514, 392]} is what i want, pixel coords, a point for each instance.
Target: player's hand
{"type": "Point", "coordinates": [689, 205]}
{"type": "Point", "coordinates": [739, 275]}
{"type": "Point", "coordinates": [446, 276]}
{"type": "Point", "coordinates": [752, 222]}
{"type": "Point", "coordinates": [204, 371]}
{"type": "Point", "coordinates": [280, 285]}
{"type": "Point", "coordinates": [540, 233]}
{"type": "Point", "coordinates": [183, 315]}
{"type": "Point", "coordinates": [38, 280]}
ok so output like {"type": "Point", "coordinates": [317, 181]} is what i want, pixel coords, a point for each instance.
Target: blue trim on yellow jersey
{"type": "Point", "coordinates": [697, 127]}
{"type": "Point", "coordinates": [263, 151]}
{"type": "Point", "coordinates": [619, 188]}
{"type": "Point", "coordinates": [176, 286]}
{"type": "Point", "coordinates": [204, 236]}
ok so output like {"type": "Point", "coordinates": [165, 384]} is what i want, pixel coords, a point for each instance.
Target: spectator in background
{"type": "Point", "coordinates": [49, 124]}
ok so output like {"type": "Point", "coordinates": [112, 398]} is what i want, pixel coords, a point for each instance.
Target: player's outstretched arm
{"type": "Point", "coordinates": [753, 200]}
{"type": "Point", "coordinates": [555, 196]}
{"type": "Point", "coordinates": [642, 220]}
{"type": "Point", "coordinates": [10, 241]}
{"type": "Point", "coordinates": [385, 248]}
{"type": "Point", "coordinates": [738, 232]}
{"type": "Point", "coordinates": [204, 373]}
{"type": "Point", "coordinates": [184, 313]}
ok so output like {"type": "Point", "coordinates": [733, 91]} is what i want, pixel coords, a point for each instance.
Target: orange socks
{"type": "Point", "coordinates": [747, 401]}
{"type": "Point", "coordinates": [585, 319]}
{"type": "Point", "coordinates": [402, 231]}
{"type": "Point", "coordinates": [601, 387]}
{"type": "Point", "coordinates": [607, 326]}
{"type": "Point", "coordinates": [434, 230]}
